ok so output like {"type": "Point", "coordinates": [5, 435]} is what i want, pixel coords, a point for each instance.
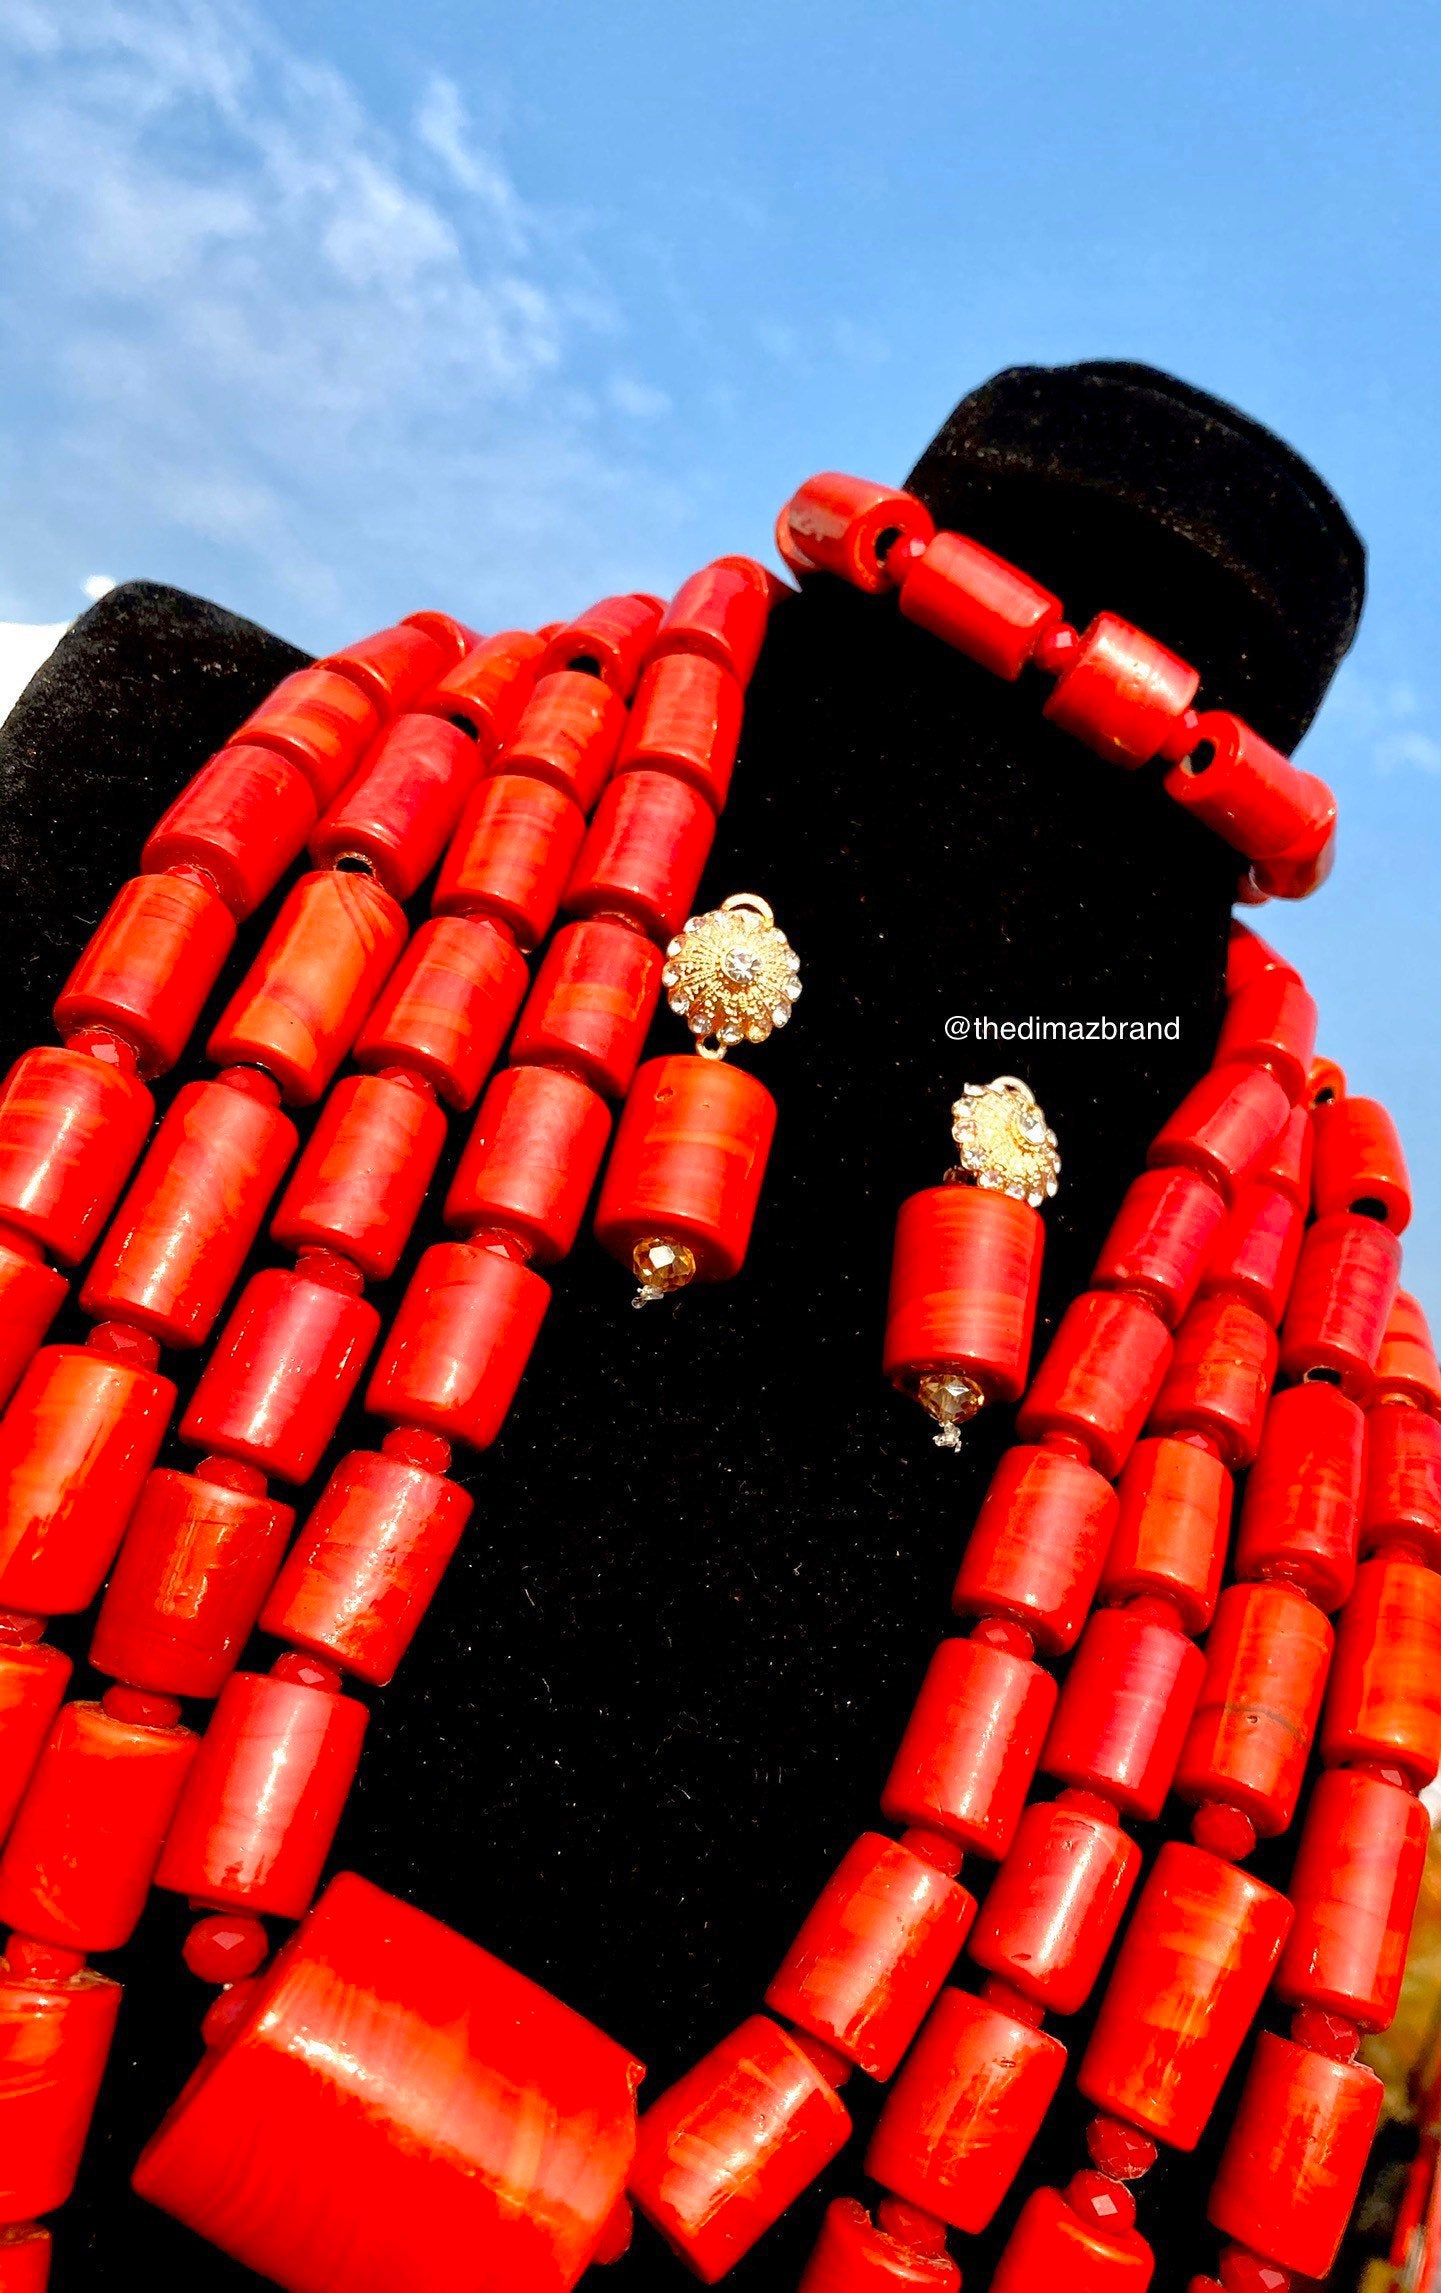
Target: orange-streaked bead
{"type": "Point", "coordinates": [243, 819]}
{"type": "Point", "coordinates": [854, 2254]}
{"type": "Point", "coordinates": [1053, 1908]}
{"type": "Point", "coordinates": [531, 1160]}
{"type": "Point", "coordinates": [1219, 1377]}
{"type": "Point", "coordinates": [1051, 2245]}
{"type": "Point", "coordinates": [459, 1343]}
{"type": "Point", "coordinates": [319, 721]}
{"type": "Point", "coordinates": [1172, 1525]}
{"type": "Point", "coordinates": [455, 638]}
{"type": "Point", "coordinates": [592, 1004]}
{"type": "Point", "coordinates": [55, 2033]}
{"type": "Point", "coordinates": [71, 1127]}
{"type": "Point", "coordinates": [568, 734]}
{"type": "Point", "coordinates": [1121, 692]}
{"type": "Point", "coordinates": [610, 640]}
{"type": "Point", "coordinates": [1292, 2166]}
{"type": "Point", "coordinates": [25, 2248]}
{"type": "Point", "coordinates": [1341, 1299]}
{"type": "Point", "coordinates": [284, 1367]}
{"type": "Point", "coordinates": [644, 853]}
{"type": "Point", "coordinates": [1036, 1551]}
{"type": "Point", "coordinates": [1271, 1024]}
{"type": "Point", "coordinates": [720, 614]}
{"type": "Point", "coordinates": [400, 812]}
{"type": "Point", "coordinates": [1125, 1707]}
{"type": "Point", "coordinates": [1354, 1887]}
{"type": "Point", "coordinates": [76, 1444]}
{"type": "Point", "coordinates": [1224, 1126]}
{"type": "Point", "coordinates": [147, 970]}
{"type": "Point", "coordinates": [1099, 1376]}
{"type": "Point", "coordinates": [1406, 1363]}
{"type": "Point", "coordinates": [489, 687]}
{"type": "Point", "coordinates": [1385, 1697]}
{"type": "Point", "coordinates": [1288, 1165]}
{"type": "Point", "coordinates": [359, 1185]}
{"type": "Point", "coordinates": [320, 968]}
{"type": "Point", "coordinates": [686, 720]}
{"type": "Point", "coordinates": [971, 1744]}
{"type": "Point", "coordinates": [1245, 790]}
{"type": "Point", "coordinates": [688, 1162]}
{"type": "Point", "coordinates": [1159, 1244]}
{"type": "Point", "coordinates": [965, 1275]}
{"type": "Point", "coordinates": [1402, 1493]}
{"type": "Point", "coordinates": [848, 526]}
{"type": "Point", "coordinates": [1359, 1160]}
{"type": "Point", "coordinates": [31, 1295]}
{"type": "Point", "coordinates": [196, 1563]}
{"type": "Point", "coordinates": [511, 855]}
{"type": "Point", "coordinates": [968, 597]}
{"type": "Point", "coordinates": [33, 1677]}
{"type": "Point", "coordinates": [1193, 1968]}
{"type": "Point", "coordinates": [1266, 1662]}
{"type": "Point", "coordinates": [1303, 1494]}
{"type": "Point", "coordinates": [394, 666]}
{"type": "Point", "coordinates": [1255, 1255]}
{"type": "Point", "coordinates": [447, 1007]}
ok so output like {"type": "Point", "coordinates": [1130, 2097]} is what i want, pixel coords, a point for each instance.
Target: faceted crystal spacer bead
{"type": "Point", "coordinates": [1243, 2272]}
{"type": "Point", "coordinates": [1102, 2199]}
{"type": "Point", "coordinates": [1123, 2152]}
{"type": "Point", "coordinates": [1054, 2245]}
{"type": "Point", "coordinates": [660, 1268]}
{"type": "Point", "coordinates": [224, 1949]}
{"type": "Point", "coordinates": [1223, 1831]}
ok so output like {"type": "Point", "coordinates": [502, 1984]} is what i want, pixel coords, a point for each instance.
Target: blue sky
{"type": "Point", "coordinates": [329, 310]}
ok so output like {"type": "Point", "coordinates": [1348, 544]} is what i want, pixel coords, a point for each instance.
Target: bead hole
{"type": "Point", "coordinates": [1370, 1206]}
{"type": "Point", "coordinates": [1322, 1377]}
{"type": "Point", "coordinates": [463, 724]}
{"type": "Point", "coordinates": [886, 541]}
{"type": "Point", "coordinates": [585, 665]}
{"type": "Point", "coordinates": [1201, 758]}
{"type": "Point", "coordinates": [353, 864]}
{"type": "Point", "coordinates": [1324, 1098]}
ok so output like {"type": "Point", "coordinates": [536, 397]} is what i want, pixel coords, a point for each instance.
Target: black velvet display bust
{"type": "Point", "coordinates": [658, 1693]}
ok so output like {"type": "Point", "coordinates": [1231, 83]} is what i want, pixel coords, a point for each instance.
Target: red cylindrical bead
{"type": "Point", "coordinates": [147, 971]}
{"type": "Point", "coordinates": [1040, 1538]}
{"type": "Point", "coordinates": [322, 964]}
{"type": "Point", "coordinates": [723, 2152]}
{"type": "Point", "coordinates": [401, 811]}
{"type": "Point", "coordinates": [264, 1796]}
{"type": "Point", "coordinates": [1219, 1377]}
{"type": "Point", "coordinates": [71, 1127]}
{"type": "Point", "coordinates": [1292, 2166]}
{"type": "Point", "coordinates": [1054, 1906]}
{"type": "Point", "coordinates": [611, 641]}
{"type": "Point", "coordinates": [1224, 1126]}
{"type": "Point", "coordinates": [592, 1004]}
{"type": "Point", "coordinates": [847, 526]}
{"type": "Point", "coordinates": [360, 1183]}
{"type": "Point", "coordinates": [285, 1365]}
{"type": "Point", "coordinates": [75, 1446]}
{"type": "Point", "coordinates": [55, 2035]}
{"type": "Point", "coordinates": [489, 688]}
{"type": "Point", "coordinates": [447, 1007]}
{"type": "Point", "coordinates": [185, 1228]}
{"type": "Point", "coordinates": [1359, 1161]}
{"type": "Point", "coordinates": [720, 615]}
{"type": "Point", "coordinates": [25, 2249]}
{"type": "Point", "coordinates": [453, 2051]}
{"type": "Point", "coordinates": [1248, 955]}
{"type": "Point", "coordinates": [1266, 1662]}
{"type": "Point", "coordinates": [1342, 1294]}
{"type": "Point", "coordinates": [856, 2255]}
{"type": "Point", "coordinates": [960, 2118]}
{"type": "Point", "coordinates": [1385, 1697]}
{"type": "Point", "coordinates": [1052, 2245]}
{"type": "Point", "coordinates": [568, 734]}
{"type": "Point", "coordinates": [1406, 1363]}
{"type": "Point", "coordinates": [1124, 1709]}
{"type": "Point", "coordinates": [1288, 1165]}
{"type": "Point", "coordinates": [1121, 692]}
{"type": "Point", "coordinates": [511, 855]}
{"type": "Point", "coordinates": [1245, 790]}
{"type": "Point", "coordinates": [1099, 1376]}
{"type": "Point", "coordinates": [363, 1570]}
{"type": "Point", "coordinates": [873, 1952]}
{"type": "Point", "coordinates": [1254, 1258]}
{"type": "Point", "coordinates": [32, 1682]}
{"type": "Point", "coordinates": [455, 638]}
{"type": "Point", "coordinates": [1171, 1528]}
{"type": "Point", "coordinates": [977, 602]}
{"type": "Point", "coordinates": [1303, 1494]}
{"type": "Point", "coordinates": [643, 856]}
{"type": "Point", "coordinates": [1164, 1230]}
{"type": "Point", "coordinates": [1305, 865]}
{"type": "Point", "coordinates": [531, 1160]}
{"type": "Point", "coordinates": [688, 1162]}
{"type": "Point", "coordinates": [459, 1344]}
{"type": "Point", "coordinates": [970, 1748]}
{"type": "Point", "coordinates": [31, 1294]}
{"type": "Point", "coordinates": [686, 720]}
{"type": "Point", "coordinates": [1271, 1024]}
{"type": "Point", "coordinates": [965, 1275]}
{"type": "Point", "coordinates": [78, 1864]}
{"type": "Point", "coordinates": [1354, 1888]}
{"type": "Point", "coordinates": [1402, 1494]}
{"type": "Point", "coordinates": [195, 1565]}
{"type": "Point", "coordinates": [1192, 1970]}
{"type": "Point", "coordinates": [319, 721]}
{"type": "Point", "coordinates": [394, 666]}
{"type": "Point", "coordinates": [243, 819]}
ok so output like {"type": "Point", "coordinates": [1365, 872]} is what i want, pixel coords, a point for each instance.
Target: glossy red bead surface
{"type": "Point", "coordinates": [1099, 1376]}
{"type": "Point", "coordinates": [568, 735]}
{"type": "Point", "coordinates": [76, 1444]}
{"type": "Point", "coordinates": [1266, 1663]}
{"type": "Point", "coordinates": [1193, 1967]}
{"type": "Point", "coordinates": [686, 720]}
{"type": "Point", "coordinates": [185, 1228]}
{"type": "Point", "coordinates": [722, 2153]}
{"type": "Point", "coordinates": [611, 640]}
{"type": "Point", "coordinates": [1254, 1257]}
{"type": "Point", "coordinates": [363, 1570]}
{"type": "Point", "coordinates": [988, 610]}
{"type": "Point", "coordinates": [644, 853]}
{"type": "Point", "coordinates": [1288, 1165]}
{"type": "Point", "coordinates": [264, 1795]}
{"type": "Point", "coordinates": [55, 2038]}
{"type": "Point", "coordinates": [1359, 1159]}
{"type": "Point", "coordinates": [459, 1344]}
{"type": "Point", "coordinates": [1406, 1364]}
{"type": "Point", "coordinates": [146, 972]}
{"type": "Point", "coordinates": [71, 1127]}
{"type": "Point", "coordinates": [25, 2249]}
{"type": "Point", "coordinates": [1172, 1526]}
{"type": "Point", "coordinates": [856, 2255]}
{"type": "Point", "coordinates": [1040, 1539]}
{"type": "Point", "coordinates": [195, 1565]}
{"type": "Point", "coordinates": [1248, 955]}
{"type": "Point", "coordinates": [688, 1163]}
{"type": "Point", "coordinates": [1124, 1710]}
{"type": "Point", "coordinates": [79, 1860]}
{"type": "Point", "coordinates": [1245, 790]}
{"type": "Point", "coordinates": [965, 1275]}
{"type": "Point", "coordinates": [719, 614]}
{"type": "Point", "coordinates": [592, 1004]}
{"type": "Point", "coordinates": [243, 819]}
{"type": "Point", "coordinates": [359, 1185]}
{"type": "Point", "coordinates": [1219, 1377]}
{"type": "Point", "coordinates": [1159, 1244]}
{"type": "Point", "coordinates": [1291, 2169]}
{"type": "Point", "coordinates": [844, 525]}
{"type": "Point", "coordinates": [1344, 1288]}
{"type": "Point", "coordinates": [873, 1952]}
{"type": "Point", "coordinates": [453, 2049]}
{"type": "Point", "coordinates": [455, 638]}
{"type": "Point", "coordinates": [1384, 1701]}
{"type": "Point", "coordinates": [971, 1744]}
{"type": "Point", "coordinates": [400, 812]}
{"type": "Point", "coordinates": [1053, 1908]}
{"type": "Point", "coordinates": [283, 1369]}
{"type": "Point", "coordinates": [31, 1294]}
{"type": "Point", "coordinates": [1305, 865]}
{"type": "Point", "coordinates": [489, 687]}
{"type": "Point", "coordinates": [394, 666]}
{"type": "Point", "coordinates": [1354, 1887]}
{"type": "Point", "coordinates": [1052, 2246]}
{"type": "Point", "coordinates": [1122, 692]}
{"type": "Point", "coordinates": [1271, 1024]}
{"type": "Point", "coordinates": [511, 855]}
{"type": "Point", "coordinates": [531, 1160]}
{"type": "Point", "coordinates": [322, 964]}
{"type": "Point", "coordinates": [32, 1683]}
{"type": "Point", "coordinates": [1401, 1495]}
{"type": "Point", "coordinates": [1303, 1494]}
{"type": "Point", "coordinates": [1224, 1126]}
{"type": "Point", "coordinates": [447, 1007]}
{"type": "Point", "coordinates": [318, 720]}
{"type": "Point", "coordinates": [960, 2118]}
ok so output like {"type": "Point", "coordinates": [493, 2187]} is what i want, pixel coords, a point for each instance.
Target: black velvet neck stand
{"type": "Point", "coordinates": [660, 1689]}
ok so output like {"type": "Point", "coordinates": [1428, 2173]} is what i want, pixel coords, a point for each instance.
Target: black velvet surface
{"type": "Point", "coordinates": [660, 1688]}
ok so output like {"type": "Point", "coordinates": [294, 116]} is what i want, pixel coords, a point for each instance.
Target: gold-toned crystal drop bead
{"type": "Point", "coordinates": [952, 1400]}
{"type": "Point", "coordinates": [660, 1267]}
